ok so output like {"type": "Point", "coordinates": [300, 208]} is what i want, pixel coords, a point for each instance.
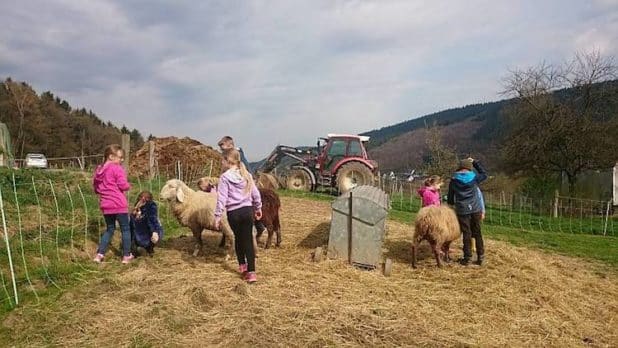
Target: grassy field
{"type": "Point", "coordinates": [521, 297]}
{"type": "Point", "coordinates": [584, 245]}
{"type": "Point", "coordinates": [67, 300]}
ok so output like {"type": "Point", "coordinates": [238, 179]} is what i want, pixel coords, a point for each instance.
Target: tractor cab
{"type": "Point", "coordinates": [339, 149]}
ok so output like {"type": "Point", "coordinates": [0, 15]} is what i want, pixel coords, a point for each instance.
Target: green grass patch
{"type": "Point", "coordinates": [582, 245]}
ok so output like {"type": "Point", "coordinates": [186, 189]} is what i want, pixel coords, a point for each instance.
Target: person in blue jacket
{"type": "Point", "coordinates": [464, 194]}
{"type": "Point", "coordinates": [146, 229]}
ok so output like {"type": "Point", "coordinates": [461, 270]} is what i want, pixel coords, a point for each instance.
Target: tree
{"type": "Point", "coordinates": [441, 159]}
{"type": "Point", "coordinates": [562, 133]}
{"type": "Point", "coordinates": [24, 101]}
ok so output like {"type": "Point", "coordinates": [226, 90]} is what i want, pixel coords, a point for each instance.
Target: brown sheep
{"type": "Point", "coordinates": [267, 181]}
{"type": "Point", "coordinates": [270, 215]}
{"type": "Point", "coordinates": [439, 226]}
{"type": "Point", "coordinates": [195, 209]}
{"type": "Point", "coordinates": [270, 218]}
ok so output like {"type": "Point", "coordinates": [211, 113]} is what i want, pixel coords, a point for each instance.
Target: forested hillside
{"type": "Point", "coordinates": [477, 129]}
{"type": "Point", "coordinates": [48, 124]}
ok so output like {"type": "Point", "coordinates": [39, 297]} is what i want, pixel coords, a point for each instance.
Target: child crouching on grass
{"type": "Point", "coordinates": [238, 195]}
{"type": "Point", "coordinates": [146, 230]}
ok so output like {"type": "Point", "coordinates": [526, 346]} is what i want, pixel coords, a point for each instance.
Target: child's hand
{"type": "Point", "coordinates": [154, 238]}
{"type": "Point", "coordinates": [217, 225]}
{"type": "Point", "coordinates": [482, 216]}
{"type": "Point", "coordinates": [258, 214]}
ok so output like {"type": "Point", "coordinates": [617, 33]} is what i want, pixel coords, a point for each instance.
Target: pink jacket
{"type": "Point", "coordinates": [110, 183]}
{"type": "Point", "coordinates": [429, 196]}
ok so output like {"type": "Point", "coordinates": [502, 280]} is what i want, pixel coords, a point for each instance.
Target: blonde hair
{"type": "Point", "coordinates": [112, 150]}
{"type": "Point", "coordinates": [232, 156]}
{"type": "Point", "coordinates": [432, 180]}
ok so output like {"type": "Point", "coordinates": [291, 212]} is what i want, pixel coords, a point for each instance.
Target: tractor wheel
{"type": "Point", "coordinates": [353, 174]}
{"type": "Point", "coordinates": [299, 180]}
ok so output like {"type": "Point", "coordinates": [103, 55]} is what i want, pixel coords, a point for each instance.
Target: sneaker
{"type": "Point", "coordinates": [98, 258]}
{"type": "Point", "coordinates": [127, 259]}
{"type": "Point", "coordinates": [464, 261]}
{"type": "Point", "coordinates": [242, 268]}
{"type": "Point", "coordinates": [251, 277]}
{"type": "Point", "coordinates": [479, 261]}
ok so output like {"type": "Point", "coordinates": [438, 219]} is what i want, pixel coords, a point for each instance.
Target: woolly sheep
{"type": "Point", "coordinates": [267, 181]}
{"type": "Point", "coordinates": [270, 215]}
{"type": "Point", "coordinates": [439, 226]}
{"type": "Point", "coordinates": [270, 218]}
{"type": "Point", "coordinates": [195, 209]}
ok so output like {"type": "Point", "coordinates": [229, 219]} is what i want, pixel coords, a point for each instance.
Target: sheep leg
{"type": "Point", "coordinates": [445, 249]}
{"type": "Point", "coordinates": [222, 242]}
{"type": "Point", "coordinates": [197, 248]}
{"type": "Point", "coordinates": [229, 240]}
{"type": "Point", "coordinates": [436, 253]}
{"type": "Point", "coordinates": [255, 245]}
{"type": "Point", "coordinates": [270, 238]}
{"type": "Point", "coordinates": [278, 243]}
{"type": "Point", "coordinates": [413, 256]}
{"type": "Point", "coordinates": [277, 229]}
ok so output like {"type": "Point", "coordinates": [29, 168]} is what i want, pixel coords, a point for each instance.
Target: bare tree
{"type": "Point", "coordinates": [24, 100]}
{"type": "Point", "coordinates": [564, 117]}
{"type": "Point", "coordinates": [442, 159]}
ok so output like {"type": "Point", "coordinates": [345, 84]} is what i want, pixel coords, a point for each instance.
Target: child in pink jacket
{"type": "Point", "coordinates": [430, 191]}
{"type": "Point", "coordinates": [110, 183]}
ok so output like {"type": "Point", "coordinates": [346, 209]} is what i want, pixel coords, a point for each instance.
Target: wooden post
{"type": "Point", "coordinates": [615, 183]}
{"type": "Point", "coordinates": [126, 146]}
{"type": "Point", "coordinates": [350, 228]}
{"type": "Point", "coordinates": [151, 159]}
{"type": "Point", "coordinates": [556, 202]}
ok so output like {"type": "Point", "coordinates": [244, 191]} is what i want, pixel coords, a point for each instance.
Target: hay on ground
{"type": "Point", "coordinates": [521, 297]}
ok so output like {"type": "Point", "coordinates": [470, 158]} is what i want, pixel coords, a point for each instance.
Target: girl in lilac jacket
{"type": "Point", "coordinates": [110, 183]}
{"type": "Point", "coordinates": [238, 194]}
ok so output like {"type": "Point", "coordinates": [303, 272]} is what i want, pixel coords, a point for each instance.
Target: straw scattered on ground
{"type": "Point", "coordinates": [521, 297]}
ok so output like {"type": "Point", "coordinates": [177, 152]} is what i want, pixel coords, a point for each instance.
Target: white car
{"type": "Point", "coordinates": [36, 160]}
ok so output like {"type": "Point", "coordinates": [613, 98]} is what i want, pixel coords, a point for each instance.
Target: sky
{"type": "Point", "coordinates": [285, 71]}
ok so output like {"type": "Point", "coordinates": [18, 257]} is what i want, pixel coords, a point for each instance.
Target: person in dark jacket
{"type": "Point", "coordinates": [146, 230]}
{"type": "Point", "coordinates": [463, 194]}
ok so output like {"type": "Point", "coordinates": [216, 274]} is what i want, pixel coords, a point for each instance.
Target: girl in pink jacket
{"type": "Point", "coordinates": [430, 191]}
{"type": "Point", "coordinates": [110, 183]}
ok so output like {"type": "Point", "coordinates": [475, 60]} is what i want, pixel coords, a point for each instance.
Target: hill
{"type": "Point", "coordinates": [48, 124]}
{"type": "Point", "coordinates": [476, 129]}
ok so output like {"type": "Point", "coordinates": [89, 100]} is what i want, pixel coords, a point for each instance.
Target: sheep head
{"type": "Point", "coordinates": [175, 190]}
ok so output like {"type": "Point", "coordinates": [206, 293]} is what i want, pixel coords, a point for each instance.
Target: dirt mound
{"type": "Point", "coordinates": [196, 159]}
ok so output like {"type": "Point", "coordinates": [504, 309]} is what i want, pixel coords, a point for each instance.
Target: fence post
{"type": "Point", "coordinates": [126, 147]}
{"type": "Point", "coordinates": [556, 202]}
{"type": "Point", "coordinates": [615, 184]}
{"type": "Point", "coordinates": [8, 249]}
{"type": "Point", "coordinates": [151, 159]}
{"type": "Point", "coordinates": [609, 203]}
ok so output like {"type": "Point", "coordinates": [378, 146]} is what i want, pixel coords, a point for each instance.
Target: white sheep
{"type": "Point", "coordinates": [195, 209]}
{"type": "Point", "coordinates": [439, 226]}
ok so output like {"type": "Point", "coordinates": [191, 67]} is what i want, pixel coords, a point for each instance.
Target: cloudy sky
{"type": "Point", "coordinates": [285, 71]}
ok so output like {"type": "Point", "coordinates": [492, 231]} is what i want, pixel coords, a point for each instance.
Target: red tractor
{"type": "Point", "coordinates": [340, 162]}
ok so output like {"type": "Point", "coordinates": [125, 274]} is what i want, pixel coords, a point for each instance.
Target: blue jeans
{"type": "Point", "coordinates": [110, 221]}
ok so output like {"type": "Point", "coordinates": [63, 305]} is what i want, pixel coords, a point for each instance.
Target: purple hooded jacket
{"type": "Point", "coordinates": [231, 194]}
{"type": "Point", "coordinates": [110, 183]}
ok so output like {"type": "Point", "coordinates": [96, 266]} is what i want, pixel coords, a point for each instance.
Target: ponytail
{"type": "Point", "coordinates": [232, 156]}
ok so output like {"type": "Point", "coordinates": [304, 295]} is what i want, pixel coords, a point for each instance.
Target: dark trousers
{"type": "Point", "coordinates": [471, 228]}
{"type": "Point", "coordinates": [241, 222]}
